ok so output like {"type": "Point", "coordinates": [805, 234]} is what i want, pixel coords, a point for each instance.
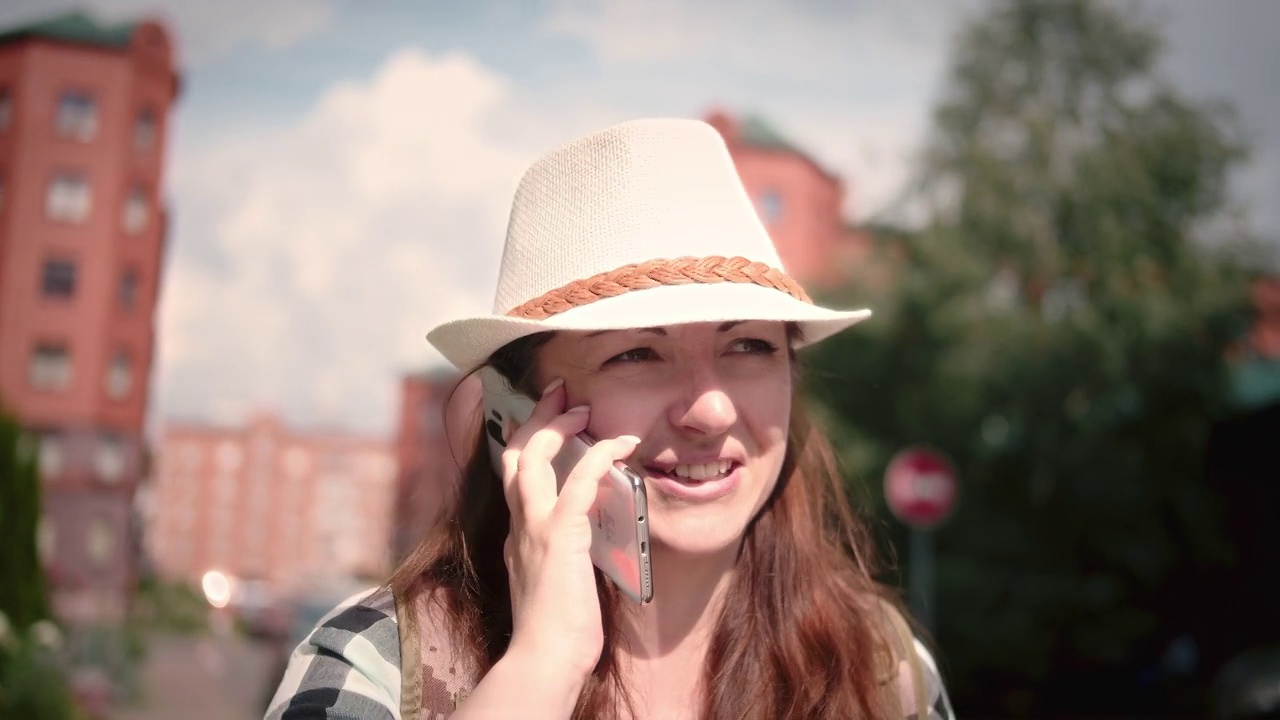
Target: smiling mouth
{"type": "Point", "coordinates": [695, 473]}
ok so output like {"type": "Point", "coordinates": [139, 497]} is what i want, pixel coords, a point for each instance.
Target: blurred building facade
{"type": "Point", "coordinates": [436, 417]}
{"type": "Point", "coordinates": [1255, 358]}
{"type": "Point", "coordinates": [266, 503]}
{"type": "Point", "coordinates": [84, 115]}
{"type": "Point", "coordinates": [800, 202]}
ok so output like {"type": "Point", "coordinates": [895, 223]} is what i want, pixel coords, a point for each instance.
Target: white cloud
{"type": "Point", "coordinates": [629, 31]}
{"type": "Point", "coordinates": [204, 30]}
{"type": "Point", "coordinates": [313, 258]}
{"type": "Point", "coordinates": [851, 83]}
{"type": "Point", "coordinates": [208, 29]}
{"type": "Point", "coordinates": [788, 39]}
{"type": "Point", "coordinates": [874, 151]}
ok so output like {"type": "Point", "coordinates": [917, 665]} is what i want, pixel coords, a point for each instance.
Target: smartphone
{"type": "Point", "coordinates": [619, 523]}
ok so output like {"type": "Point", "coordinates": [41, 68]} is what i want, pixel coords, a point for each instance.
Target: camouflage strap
{"type": "Point", "coordinates": [410, 662]}
{"type": "Point", "coordinates": [433, 680]}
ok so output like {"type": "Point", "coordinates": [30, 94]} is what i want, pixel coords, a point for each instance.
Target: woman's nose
{"type": "Point", "coordinates": [710, 411]}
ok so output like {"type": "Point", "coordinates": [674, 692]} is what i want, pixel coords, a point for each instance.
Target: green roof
{"type": "Point", "coordinates": [758, 133]}
{"type": "Point", "coordinates": [76, 27]}
{"type": "Point", "coordinates": [754, 131]}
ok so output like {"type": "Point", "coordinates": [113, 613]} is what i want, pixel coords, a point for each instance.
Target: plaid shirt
{"type": "Point", "coordinates": [349, 667]}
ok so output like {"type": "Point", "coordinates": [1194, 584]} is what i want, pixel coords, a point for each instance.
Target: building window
{"type": "Point", "coordinates": [771, 206]}
{"type": "Point", "coordinates": [99, 541]}
{"type": "Point", "coordinates": [68, 199]}
{"type": "Point", "coordinates": [119, 376]}
{"type": "Point", "coordinates": [58, 279]}
{"type": "Point", "coordinates": [135, 211]}
{"type": "Point", "coordinates": [46, 540]}
{"type": "Point", "coordinates": [77, 116]}
{"type": "Point", "coordinates": [144, 130]}
{"type": "Point", "coordinates": [50, 367]}
{"type": "Point", "coordinates": [6, 108]}
{"type": "Point", "coordinates": [52, 458]}
{"type": "Point", "coordinates": [128, 289]}
{"type": "Point", "coordinates": [109, 459]}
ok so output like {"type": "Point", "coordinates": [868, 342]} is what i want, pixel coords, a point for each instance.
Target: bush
{"type": "Point", "coordinates": [33, 677]}
{"type": "Point", "coordinates": [171, 607]}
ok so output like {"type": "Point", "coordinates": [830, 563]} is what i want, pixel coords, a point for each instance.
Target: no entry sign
{"type": "Point", "coordinates": [920, 487]}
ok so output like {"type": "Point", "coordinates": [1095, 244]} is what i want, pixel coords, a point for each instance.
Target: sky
{"type": "Point", "coordinates": [339, 173]}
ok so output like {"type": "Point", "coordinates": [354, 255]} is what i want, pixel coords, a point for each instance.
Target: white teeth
{"type": "Point", "coordinates": [702, 471]}
{"type": "Point", "coordinates": [693, 471]}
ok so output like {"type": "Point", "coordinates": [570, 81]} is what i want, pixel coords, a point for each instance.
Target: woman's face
{"type": "Point", "coordinates": [711, 403]}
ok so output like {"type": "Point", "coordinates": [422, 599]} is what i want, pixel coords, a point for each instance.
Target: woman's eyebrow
{"type": "Point", "coordinates": [654, 330]}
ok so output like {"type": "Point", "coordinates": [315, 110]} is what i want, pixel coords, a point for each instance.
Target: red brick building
{"type": "Point", "coordinates": [1264, 334]}
{"type": "Point", "coordinates": [800, 202]}
{"type": "Point", "coordinates": [434, 423]}
{"type": "Point", "coordinates": [84, 114]}
{"type": "Point", "coordinates": [1255, 358]}
{"type": "Point", "coordinates": [267, 503]}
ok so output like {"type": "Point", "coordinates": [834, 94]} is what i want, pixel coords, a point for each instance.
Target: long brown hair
{"type": "Point", "coordinates": [800, 634]}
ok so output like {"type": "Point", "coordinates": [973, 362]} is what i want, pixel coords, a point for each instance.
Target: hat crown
{"type": "Point", "coordinates": [631, 193]}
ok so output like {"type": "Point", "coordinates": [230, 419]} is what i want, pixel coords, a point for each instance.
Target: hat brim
{"type": "Point", "coordinates": [468, 342]}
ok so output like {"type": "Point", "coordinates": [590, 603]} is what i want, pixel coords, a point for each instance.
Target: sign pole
{"type": "Point", "coordinates": [920, 488]}
{"type": "Point", "coordinates": [920, 583]}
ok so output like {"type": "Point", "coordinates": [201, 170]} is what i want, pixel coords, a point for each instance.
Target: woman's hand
{"type": "Point", "coordinates": [555, 609]}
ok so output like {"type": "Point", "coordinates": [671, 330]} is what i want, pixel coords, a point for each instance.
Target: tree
{"type": "Point", "coordinates": [30, 684]}
{"type": "Point", "coordinates": [1058, 328]}
{"type": "Point", "coordinates": [22, 588]}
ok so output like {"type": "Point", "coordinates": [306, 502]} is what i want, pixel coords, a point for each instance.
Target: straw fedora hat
{"type": "Point", "coordinates": [642, 224]}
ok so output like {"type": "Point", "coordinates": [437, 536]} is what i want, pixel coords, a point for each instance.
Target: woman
{"type": "Point", "coordinates": [641, 300]}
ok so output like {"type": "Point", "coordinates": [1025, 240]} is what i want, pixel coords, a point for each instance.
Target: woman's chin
{"type": "Point", "coordinates": [694, 536]}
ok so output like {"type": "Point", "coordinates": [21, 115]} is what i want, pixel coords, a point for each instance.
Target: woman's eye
{"type": "Point", "coordinates": [753, 346]}
{"type": "Point", "coordinates": [640, 354]}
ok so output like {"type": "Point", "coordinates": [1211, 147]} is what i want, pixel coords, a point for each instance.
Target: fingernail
{"type": "Point", "coordinates": [579, 409]}
{"type": "Point", "coordinates": [629, 438]}
{"type": "Point", "coordinates": [553, 386]}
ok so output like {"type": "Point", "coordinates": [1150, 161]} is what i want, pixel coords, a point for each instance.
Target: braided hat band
{"type": "Point", "coordinates": [656, 273]}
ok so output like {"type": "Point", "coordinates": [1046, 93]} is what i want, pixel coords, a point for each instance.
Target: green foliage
{"type": "Point", "coordinates": [22, 587]}
{"type": "Point", "coordinates": [33, 679]}
{"type": "Point", "coordinates": [1059, 330]}
{"type": "Point", "coordinates": [171, 607]}
{"type": "Point", "coordinates": [112, 654]}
